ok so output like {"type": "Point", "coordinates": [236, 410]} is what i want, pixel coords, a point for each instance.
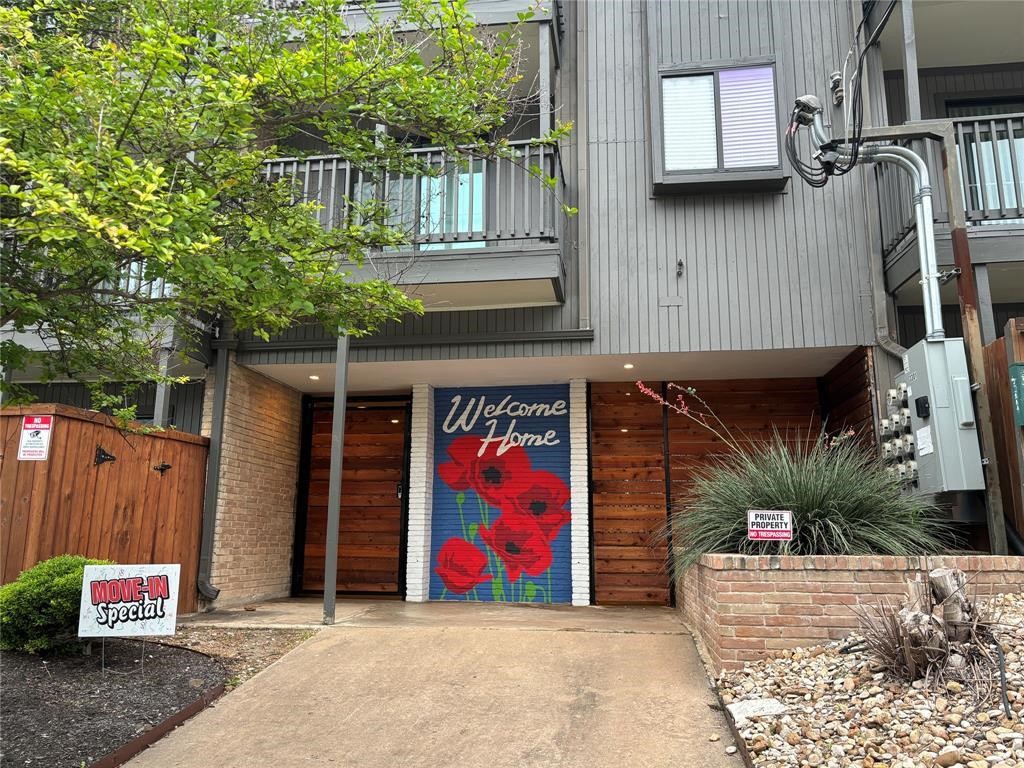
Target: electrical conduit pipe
{"type": "Point", "coordinates": [912, 163]}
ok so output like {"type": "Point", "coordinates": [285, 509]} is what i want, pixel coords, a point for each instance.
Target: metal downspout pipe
{"type": "Point", "coordinates": [210, 497]}
{"type": "Point", "coordinates": [912, 163]}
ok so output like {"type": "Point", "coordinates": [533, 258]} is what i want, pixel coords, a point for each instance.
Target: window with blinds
{"type": "Point", "coordinates": [719, 120]}
{"type": "Point", "coordinates": [690, 127]}
{"type": "Point", "coordinates": [749, 126]}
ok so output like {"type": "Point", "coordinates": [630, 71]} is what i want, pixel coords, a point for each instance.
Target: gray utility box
{"type": "Point", "coordinates": [934, 392]}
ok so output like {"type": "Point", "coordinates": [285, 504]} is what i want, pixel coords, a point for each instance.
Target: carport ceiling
{"type": "Point", "coordinates": [683, 366]}
{"type": "Point", "coordinates": [986, 32]}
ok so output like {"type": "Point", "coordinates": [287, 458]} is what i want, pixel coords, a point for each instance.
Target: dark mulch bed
{"type": "Point", "coordinates": [61, 712]}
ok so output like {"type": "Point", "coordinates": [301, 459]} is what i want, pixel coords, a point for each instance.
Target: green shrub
{"type": "Point", "coordinates": [843, 500]}
{"type": "Point", "coordinates": [39, 611]}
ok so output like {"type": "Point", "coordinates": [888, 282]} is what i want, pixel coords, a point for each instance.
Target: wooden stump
{"type": "Point", "coordinates": [949, 589]}
{"type": "Point", "coordinates": [924, 640]}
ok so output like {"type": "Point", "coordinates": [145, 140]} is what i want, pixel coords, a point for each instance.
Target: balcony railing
{"type": "Point", "coordinates": [990, 153]}
{"type": "Point", "coordinates": [471, 203]}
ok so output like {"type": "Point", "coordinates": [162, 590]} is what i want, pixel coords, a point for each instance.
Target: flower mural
{"type": "Point", "coordinates": [506, 542]}
{"type": "Point", "coordinates": [483, 470]}
{"type": "Point", "coordinates": [543, 499]}
{"type": "Point", "coordinates": [461, 566]}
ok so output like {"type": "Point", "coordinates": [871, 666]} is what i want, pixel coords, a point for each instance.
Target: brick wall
{"type": "Point", "coordinates": [580, 498]}
{"type": "Point", "coordinates": [746, 607]}
{"type": "Point", "coordinates": [421, 493]}
{"type": "Point", "coordinates": [252, 550]}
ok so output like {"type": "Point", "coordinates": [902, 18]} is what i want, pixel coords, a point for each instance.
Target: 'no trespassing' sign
{"type": "Point", "coordinates": [769, 525]}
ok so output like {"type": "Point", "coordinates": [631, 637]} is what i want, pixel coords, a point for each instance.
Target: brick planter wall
{"type": "Point", "coordinates": [746, 607]}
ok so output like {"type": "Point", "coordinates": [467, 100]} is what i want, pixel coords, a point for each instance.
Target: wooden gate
{"type": "Point", "coordinates": [144, 506]}
{"type": "Point", "coordinates": [370, 539]}
{"type": "Point", "coordinates": [627, 456]}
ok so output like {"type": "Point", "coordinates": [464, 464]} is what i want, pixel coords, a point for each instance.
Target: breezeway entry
{"type": "Point", "coordinates": [371, 540]}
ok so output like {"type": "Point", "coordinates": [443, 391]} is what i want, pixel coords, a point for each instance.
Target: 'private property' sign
{"type": "Point", "coordinates": [769, 525]}
{"type": "Point", "coordinates": [128, 600]}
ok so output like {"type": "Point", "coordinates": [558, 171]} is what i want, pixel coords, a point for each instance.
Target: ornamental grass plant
{"type": "Point", "coordinates": [843, 500]}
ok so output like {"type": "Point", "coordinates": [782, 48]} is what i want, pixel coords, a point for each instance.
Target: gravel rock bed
{"type": "Point", "coordinates": [841, 711]}
{"type": "Point", "coordinates": [243, 651]}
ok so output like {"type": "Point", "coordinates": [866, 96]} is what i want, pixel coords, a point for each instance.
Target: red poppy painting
{"type": "Point", "coordinates": [461, 566]}
{"type": "Point", "coordinates": [520, 545]}
{"type": "Point", "coordinates": [482, 469]}
{"type": "Point", "coordinates": [543, 497]}
{"type": "Point", "coordinates": [501, 509]}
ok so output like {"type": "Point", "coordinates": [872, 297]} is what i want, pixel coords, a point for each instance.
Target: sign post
{"type": "Point", "coordinates": [769, 525]}
{"type": "Point", "coordinates": [34, 444]}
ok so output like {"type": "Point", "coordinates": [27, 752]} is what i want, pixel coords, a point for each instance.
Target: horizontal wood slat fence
{"type": "Point", "coordinates": [850, 396]}
{"type": "Point", "coordinates": [123, 510]}
{"type": "Point", "coordinates": [642, 457]}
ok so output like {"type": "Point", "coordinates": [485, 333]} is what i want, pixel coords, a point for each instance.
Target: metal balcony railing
{"type": "Point", "coordinates": [471, 203]}
{"type": "Point", "coordinates": [990, 152]}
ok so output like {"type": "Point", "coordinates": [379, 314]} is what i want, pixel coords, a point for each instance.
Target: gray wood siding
{"type": "Point", "coordinates": [186, 403]}
{"type": "Point", "coordinates": [965, 82]}
{"type": "Point", "coordinates": [761, 271]}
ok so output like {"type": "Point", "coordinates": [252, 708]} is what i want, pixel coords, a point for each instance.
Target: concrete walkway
{"type": "Point", "coordinates": [435, 685]}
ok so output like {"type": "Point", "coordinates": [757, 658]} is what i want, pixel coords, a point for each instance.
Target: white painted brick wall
{"type": "Point", "coordinates": [578, 486]}
{"type": "Point", "coordinates": [421, 493]}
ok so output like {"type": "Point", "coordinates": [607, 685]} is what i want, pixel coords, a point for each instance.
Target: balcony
{"type": "Point", "coordinates": [481, 233]}
{"type": "Point", "coordinates": [990, 153]}
{"type": "Point", "coordinates": [990, 156]}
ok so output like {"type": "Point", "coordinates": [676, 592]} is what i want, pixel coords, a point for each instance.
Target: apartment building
{"type": "Point", "coordinates": [497, 447]}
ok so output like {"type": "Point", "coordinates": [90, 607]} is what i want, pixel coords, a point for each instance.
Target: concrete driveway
{"type": "Point", "coordinates": [399, 684]}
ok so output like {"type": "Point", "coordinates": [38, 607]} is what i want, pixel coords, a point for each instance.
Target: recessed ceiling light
{"type": "Point", "coordinates": [394, 421]}
{"type": "Point", "coordinates": [623, 430]}
{"type": "Point", "coordinates": [628, 366]}
{"type": "Point", "coordinates": [314, 377]}
{"type": "Point", "coordinates": [361, 407]}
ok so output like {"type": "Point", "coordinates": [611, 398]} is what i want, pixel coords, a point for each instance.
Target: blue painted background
{"type": "Point", "coordinates": [445, 520]}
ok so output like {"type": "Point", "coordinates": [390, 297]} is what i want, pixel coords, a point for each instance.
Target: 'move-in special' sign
{"type": "Point", "coordinates": [769, 525]}
{"type": "Point", "coordinates": [128, 600]}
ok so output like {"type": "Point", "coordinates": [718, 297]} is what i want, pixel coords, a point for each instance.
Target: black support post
{"type": "Point", "coordinates": [334, 486]}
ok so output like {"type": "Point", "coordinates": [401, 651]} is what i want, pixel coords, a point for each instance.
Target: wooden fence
{"type": "Point", "coordinates": [1009, 438]}
{"type": "Point", "coordinates": [128, 510]}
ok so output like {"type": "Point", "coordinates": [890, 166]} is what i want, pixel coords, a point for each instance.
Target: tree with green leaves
{"type": "Point", "coordinates": [134, 135]}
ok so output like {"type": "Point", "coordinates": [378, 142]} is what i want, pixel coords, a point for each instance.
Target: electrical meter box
{"type": "Point", "coordinates": [933, 406]}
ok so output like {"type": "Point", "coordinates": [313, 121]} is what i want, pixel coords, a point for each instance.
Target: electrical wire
{"type": "Point", "coordinates": [857, 108]}
{"type": "Point", "coordinates": [818, 175]}
{"type": "Point", "coordinates": [813, 175]}
{"type": "Point", "coordinates": [854, 47]}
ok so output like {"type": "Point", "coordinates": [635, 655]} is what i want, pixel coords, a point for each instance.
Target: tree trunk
{"type": "Point", "coordinates": [919, 595]}
{"type": "Point", "coordinates": [948, 587]}
{"type": "Point", "coordinates": [924, 640]}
